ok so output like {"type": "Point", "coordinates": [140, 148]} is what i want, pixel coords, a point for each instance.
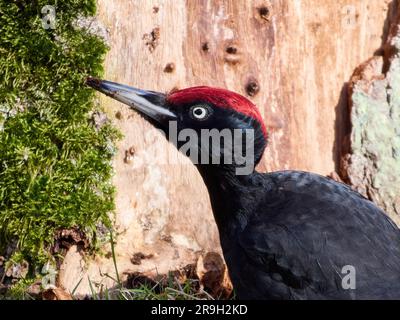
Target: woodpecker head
{"type": "Point", "coordinates": [203, 122]}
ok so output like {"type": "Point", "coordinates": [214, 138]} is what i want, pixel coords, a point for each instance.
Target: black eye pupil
{"type": "Point", "coordinates": [198, 112]}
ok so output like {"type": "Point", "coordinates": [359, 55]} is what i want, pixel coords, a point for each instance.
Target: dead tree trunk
{"type": "Point", "coordinates": [292, 58]}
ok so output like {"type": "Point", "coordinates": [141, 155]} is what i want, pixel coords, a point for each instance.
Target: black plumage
{"type": "Point", "coordinates": [288, 235]}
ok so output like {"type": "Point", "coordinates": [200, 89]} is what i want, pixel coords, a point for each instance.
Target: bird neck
{"type": "Point", "coordinates": [228, 192]}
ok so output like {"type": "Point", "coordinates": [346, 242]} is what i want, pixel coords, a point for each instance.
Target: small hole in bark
{"type": "Point", "coordinates": [152, 39]}
{"type": "Point", "coordinates": [264, 13]}
{"type": "Point", "coordinates": [118, 115]}
{"type": "Point", "coordinates": [252, 87]}
{"type": "Point", "coordinates": [231, 50]}
{"type": "Point", "coordinates": [155, 9]}
{"type": "Point", "coordinates": [205, 47]}
{"type": "Point", "coordinates": [170, 67]}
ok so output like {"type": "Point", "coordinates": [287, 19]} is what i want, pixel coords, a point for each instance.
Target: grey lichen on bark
{"type": "Point", "coordinates": [372, 166]}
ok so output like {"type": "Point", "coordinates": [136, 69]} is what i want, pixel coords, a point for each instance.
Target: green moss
{"type": "Point", "coordinates": [55, 166]}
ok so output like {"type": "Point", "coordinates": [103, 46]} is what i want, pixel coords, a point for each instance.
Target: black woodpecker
{"type": "Point", "coordinates": [284, 234]}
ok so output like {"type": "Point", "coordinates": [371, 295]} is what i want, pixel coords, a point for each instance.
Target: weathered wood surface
{"type": "Point", "coordinates": [292, 58]}
{"type": "Point", "coordinates": [372, 163]}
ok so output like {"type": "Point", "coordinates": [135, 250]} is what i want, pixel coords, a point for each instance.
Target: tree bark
{"type": "Point", "coordinates": [372, 163]}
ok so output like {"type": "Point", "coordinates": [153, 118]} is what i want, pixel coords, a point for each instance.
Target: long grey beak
{"type": "Point", "coordinates": [148, 103]}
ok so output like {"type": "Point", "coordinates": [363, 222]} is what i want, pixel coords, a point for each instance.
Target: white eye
{"type": "Point", "coordinates": [200, 112]}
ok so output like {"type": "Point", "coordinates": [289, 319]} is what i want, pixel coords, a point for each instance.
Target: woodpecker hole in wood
{"type": "Point", "coordinates": [205, 47]}
{"type": "Point", "coordinates": [231, 50]}
{"type": "Point", "coordinates": [170, 67]}
{"type": "Point", "coordinates": [232, 54]}
{"type": "Point", "coordinates": [118, 115]}
{"type": "Point", "coordinates": [252, 87]}
{"type": "Point", "coordinates": [152, 39]}
{"type": "Point", "coordinates": [155, 9]}
{"type": "Point", "coordinates": [264, 13]}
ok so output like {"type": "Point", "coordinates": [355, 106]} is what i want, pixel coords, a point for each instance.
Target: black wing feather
{"type": "Point", "coordinates": [305, 230]}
